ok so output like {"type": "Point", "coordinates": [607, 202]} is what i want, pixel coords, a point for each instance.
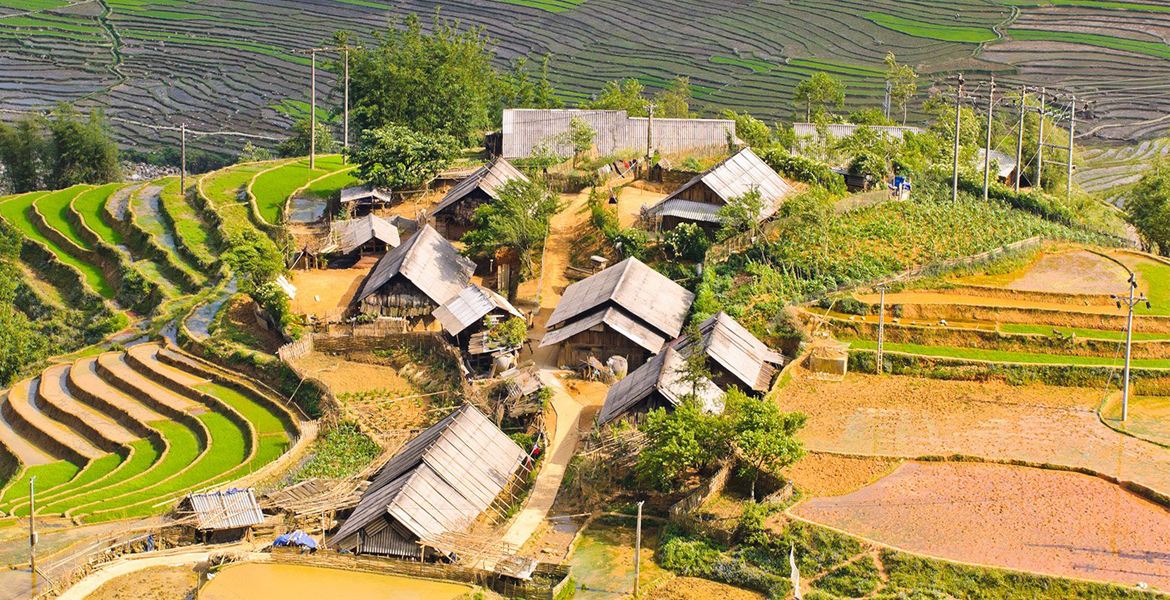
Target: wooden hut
{"type": "Point", "coordinates": [362, 236]}
{"type": "Point", "coordinates": [414, 279]}
{"type": "Point", "coordinates": [468, 318]}
{"type": "Point", "coordinates": [452, 215]}
{"type": "Point", "coordinates": [736, 358]}
{"type": "Point", "coordinates": [221, 516]}
{"type": "Point", "coordinates": [437, 485]}
{"type": "Point", "coordinates": [627, 310]}
{"type": "Point", "coordinates": [699, 200]}
{"type": "Point", "coordinates": [361, 199]}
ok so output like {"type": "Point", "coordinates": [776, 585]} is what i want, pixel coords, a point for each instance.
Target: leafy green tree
{"type": "Point", "coordinates": [80, 150]}
{"type": "Point", "coordinates": [903, 81]}
{"type": "Point", "coordinates": [21, 340]}
{"type": "Point", "coordinates": [869, 116]}
{"type": "Point", "coordinates": [754, 132]}
{"type": "Point", "coordinates": [674, 101]}
{"type": "Point", "coordinates": [742, 214]}
{"type": "Point", "coordinates": [521, 87]}
{"type": "Point", "coordinates": [694, 370]}
{"type": "Point", "coordinates": [819, 93]}
{"type": "Point", "coordinates": [1148, 206]}
{"type": "Point", "coordinates": [518, 220]}
{"type": "Point", "coordinates": [440, 82]}
{"type": "Point", "coordinates": [21, 150]}
{"type": "Point", "coordinates": [512, 332]}
{"type": "Point", "coordinates": [580, 137]}
{"type": "Point", "coordinates": [688, 241]}
{"type": "Point", "coordinates": [253, 153]}
{"type": "Point", "coordinates": [812, 211]}
{"type": "Point", "coordinates": [396, 157]}
{"type": "Point", "coordinates": [627, 94]}
{"type": "Point", "coordinates": [679, 442]}
{"type": "Point", "coordinates": [298, 142]}
{"type": "Point", "coordinates": [254, 259]}
{"type": "Point", "coordinates": [763, 435]}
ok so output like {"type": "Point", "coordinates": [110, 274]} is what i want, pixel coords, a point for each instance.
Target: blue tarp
{"type": "Point", "coordinates": [296, 538]}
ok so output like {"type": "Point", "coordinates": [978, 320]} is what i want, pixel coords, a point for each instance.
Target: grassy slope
{"type": "Point", "coordinates": [188, 226]}
{"type": "Point", "coordinates": [49, 476]}
{"type": "Point", "coordinates": [90, 205]}
{"type": "Point", "coordinates": [1008, 357]}
{"type": "Point", "coordinates": [1080, 332]}
{"type": "Point", "coordinates": [272, 188]}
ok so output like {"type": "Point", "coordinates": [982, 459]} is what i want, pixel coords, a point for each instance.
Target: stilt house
{"type": "Point", "coordinates": [453, 213]}
{"type": "Point", "coordinates": [699, 200]}
{"type": "Point", "coordinates": [627, 310]}
{"type": "Point", "coordinates": [436, 486]}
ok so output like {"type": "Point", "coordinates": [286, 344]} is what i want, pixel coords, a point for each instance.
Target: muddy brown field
{"type": "Point", "coordinates": [692, 588]}
{"type": "Point", "coordinates": [155, 583]}
{"type": "Point", "coordinates": [1072, 272]}
{"type": "Point", "coordinates": [326, 292]}
{"type": "Point", "coordinates": [820, 474]}
{"type": "Point", "coordinates": [909, 417]}
{"type": "Point", "coordinates": [1058, 523]}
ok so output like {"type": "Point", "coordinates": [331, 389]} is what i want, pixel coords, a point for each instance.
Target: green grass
{"type": "Point", "coordinates": [272, 188]}
{"type": "Point", "coordinates": [90, 206]}
{"type": "Point", "coordinates": [1004, 356]}
{"type": "Point", "coordinates": [15, 211]}
{"type": "Point", "coordinates": [183, 449]}
{"type": "Point", "coordinates": [757, 66]}
{"type": "Point", "coordinates": [96, 470]}
{"type": "Point", "coordinates": [273, 439]}
{"type": "Point", "coordinates": [327, 187]}
{"type": "Point", "coordinates": [1080, 332]}
{"type": "Point", "coordinates": [49, 476]}
{"type": "Point", "coordinates": [225, 189]}
{"type": "Point", "coordinates": [1157, 49]}
{"type": "Point", "coordinates": [340, 452]}
{"type": "Point", "coordinates": [226, 451]}
{"type": "Point", "coordinates": [946, 33]}
{"type": "Point", "coordinates": [188, 227]}
{"type": "Point", "coordinates": [1154, 282]}
{"type": "Point", "coordinates": [55, 208]}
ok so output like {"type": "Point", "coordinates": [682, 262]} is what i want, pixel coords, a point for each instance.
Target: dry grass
{"type": "Point", "coordinates": [692, 588]}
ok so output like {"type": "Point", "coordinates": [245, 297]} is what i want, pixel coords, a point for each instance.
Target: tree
{"type": "Point", "coordinates": [21, 150]}
{"type": "Point", "coordinates": [903, 80]}
{"type": "Point", "coordinates": [580, 136]}
{"type": "Point", "coordinates": [763, 435]}
{"type": "Point", "coordinates": [688, 241]}
{"type": "Point", "coordinates": [810, 210]}
{"type": "Point", "coordinates": [512, 332]}
{"type": "Point", "coordinates": [440, 82]}
{"type": "Point", "coordinates": [518, 220]}
{"type": "Point", "coordinates": [254, 259]}
{"type": "Point", "coordinates": [741, 214]}
{"type": "Point", "coordinates": [674, 101]}
{"type": "Point", "coordinates": [869, 116]}
{"type": "Point", "coordinates": [819, 92]}
{"type": "Point", "coordinates": [1148, 206]}
{"type": "Point", "coordinates": [80, 151]}
{"type": "Point", "coordinates": [754, 132]}
{"type": "Point", "coordinates": [299, 142]}
{"type": "Point", "coordinates": [253, 153]}
{"type": "Point", "coordinates": [680, 441]}
{"type": "Point", "coordinates": [626, 95]}
{"type": "Point", "coordinates": [694, 371]}
{"type": "Point", "coordinates": [520, 87]}
{"type": "Point", "coordinates": [399, 158]}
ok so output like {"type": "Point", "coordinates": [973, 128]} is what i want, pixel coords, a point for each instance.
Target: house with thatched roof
{"type": "Point", "coordinates": [414, 279]}
{"type": "Point", "coordinates": [435, 487]}
{"type": "Point", "coordinates": [699, 200]}
{"type": "Point", "coordinates": [735, 358]}
{"type": "Point", "coordinates": [627, 310]}
{"type": "Point", "coordinates": [452, 215]}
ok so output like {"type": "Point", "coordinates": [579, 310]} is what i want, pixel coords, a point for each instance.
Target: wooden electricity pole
{"type": "Point", "coordinates": [345, 131]}
{"type": "Point", "coordinates": [958, 115]}
{"type": "Point", "coordinates": [638, 549]}
{"type": "Point", "coordinates": [1020, 141]}
{"type": "Point", "coordinates": [1072, 132]}
{"type": "Point", "coordinates": [650, 129]}
{"type": "Point", "coordinates": [32, 532]}
{"type": "Point", "coordinates": [313, 111]}
{"type": "Point", "coordinates": [1039, 183]}
{"type": "Point", "coordinates": [987, 149]}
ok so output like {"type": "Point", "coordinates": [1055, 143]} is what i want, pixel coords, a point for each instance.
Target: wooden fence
{"type": "Point", "coordinates": [706, 490]}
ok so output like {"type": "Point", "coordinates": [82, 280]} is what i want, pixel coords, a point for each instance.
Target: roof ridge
{"type": "Point", "coordinates": [622, 278]}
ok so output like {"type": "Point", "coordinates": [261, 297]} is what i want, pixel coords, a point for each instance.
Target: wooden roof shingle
{"type": "Point", "coordinates": [490, 178]}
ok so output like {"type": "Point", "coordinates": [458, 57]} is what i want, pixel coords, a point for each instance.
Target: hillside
{"type": "Point", "coordinates": [229, 64]}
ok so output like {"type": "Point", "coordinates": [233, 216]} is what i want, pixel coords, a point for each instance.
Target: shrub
{"type": "Point", "coordinates": [804, 170]}
{"type": "Point", "coordinates": [688, 242]}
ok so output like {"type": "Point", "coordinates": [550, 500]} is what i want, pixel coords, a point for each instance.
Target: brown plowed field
{"type": "Point", "coordinates": [820, 474]}
{"type": "Point", "coordinates": [913, 417]}
{"type": "Point", "coordinates": [1074, 272]}
{"type": "Point", "coordinates": [1058, 523]}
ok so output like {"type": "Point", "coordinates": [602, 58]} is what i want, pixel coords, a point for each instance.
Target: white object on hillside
{"type": "Point", "coordinates": [288, 287]}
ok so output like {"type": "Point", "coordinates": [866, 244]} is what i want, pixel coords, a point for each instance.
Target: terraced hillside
{"type": "Point", "coordinates": [232, 64]}
{"type": "Point", "coordinates": [122, 434]}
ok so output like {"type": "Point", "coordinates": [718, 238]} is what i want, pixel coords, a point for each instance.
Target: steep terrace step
{"type": "Point", "coordinates": [143, 358]}
{"type": "Point", "coordinates": [21, 411]}
{"type": "Point", "coordinates": [55, 401]}
{"type": "Point", "coordinates": [28, 454]}
{"type": "Point", "coordinates": [113, 369]}
{"type": "Point", "coordinates": [87, 386]}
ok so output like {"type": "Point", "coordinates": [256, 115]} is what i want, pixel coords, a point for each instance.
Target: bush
{"type": "Point", "coordinates": [688, 242]}
{"type": "Point", "coordinates": [804, 170]}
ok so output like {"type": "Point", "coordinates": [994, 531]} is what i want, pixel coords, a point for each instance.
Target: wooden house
{"type": "Point", "coordinates": [452, 215]}
{"type": "Point", "coordinates": [362, 236]}
{"type": "Point", "coordinates": [735, 358]}
{"type": "Point", "coordinates": [468, 318]}
{"type": "Point", "coordinates": [436, 486]}
{"type": "Point", "coordinates": [414, 279]}
{"type": "Point", "coordinates": [699, 200]}
{"type": "Point", "coordinates": [223, 516]}
{"type": "Point", "coordinates": [627, 310]}
{"type": "Point", "coordinates": [361, 199]}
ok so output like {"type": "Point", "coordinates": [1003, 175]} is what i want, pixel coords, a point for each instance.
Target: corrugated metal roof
{"type": "Point", "coordinates": [687, 209]}
{"type": "Point", "coordinates": [469, 306]}
{"type": "Point", "coordinates": [616, 319]}
{"type": "Point", "coordinates": [735, 349]}
{"type": "Point", "coordinates": [1007, 163]}
{"type": "Point", "coordinates": [428, 261]}
{"type": "Point", "coordinates": [733, 177]}
{"type": "Point", "coordinates": [637, 289]}
{"type": "Point", "coordinates": [441, 480]}
{"type": "Point", "coordinates": [226, 510]}
{"type": "Point", "coordinates": [364, 192]}
{"type": "Point", "coordinates": [838, 131]}
{"type": "Point", "coordinates": [664, 374]}
{"type": "Point", "coordinates": [523, 129]}
{"type": "Point", "coordinates": [353, 233]}
{"type": "Point", "coordinates": [489, 178]}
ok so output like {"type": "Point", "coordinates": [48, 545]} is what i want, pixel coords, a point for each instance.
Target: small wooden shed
{"type": "Point", "coordinates": [452, 215]}
{"type": "Point", "coordinates": [361, 199]}
{"type": "Point", "coordinates": [358, 237]}
{"type": "Point", "coordinates": [699, 200]}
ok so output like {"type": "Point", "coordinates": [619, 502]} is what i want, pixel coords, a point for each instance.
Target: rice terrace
{"type": "Point", "coordinates": [543, 299]}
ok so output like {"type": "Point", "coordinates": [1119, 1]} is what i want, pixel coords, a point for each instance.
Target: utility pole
{"type": "Point", "coordinates": [638, 549]}
{"type": "Point", "coordinates": [313, 111]}
{"type": "Point", "coordinates": [1133, 300]}
{"type": "Point", "coordinates": [881, 328]}
{"type": "Point", "coordinates": [958, 115]}
{"type": "Point", "coordinates": [987, 149]}
{"type": "Point", "coordinates": [1020, 141]}
{"type": "Point", "coordinates": [345, 131]}
{"type": "Point", "coordinates": [650, 129]}
{"type": "Point", "coordinates": [1072, 131]}
{"type": "Point", "coordinates": [32, 532]}
{"type": "Point", "coordinates": [183, 159]}
{"type": "Point", "coordinates": [1039, 183]}
{"type": "Point", "coordinates": [886, 103]}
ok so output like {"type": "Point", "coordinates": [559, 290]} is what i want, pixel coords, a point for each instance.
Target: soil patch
{"type": "Point", "coordinates": [1074, 272]}
{"type": "Point", "coordinates": [325, 293]}
{"type": "Point", "coordinates": [1058, 523]}
{"type": "Point", "coordinates": [603, 560]}
{"type": "Point", "coordinates": [630, 203]}
{"type": "Point", "coordinates": [376, 394]}
{"type": "Point", "coordinates": [820, 474]}
{"type": "Point", "coordinates": [262, 581]}
{"type": "Point", "coordinates": [242, 326]}
{"type": "Point", "coordinates": [154, 583]}
{"type": "Point", "coordinates": [913, 417]}
{"type": "Point", "coordinates": [692, 588]}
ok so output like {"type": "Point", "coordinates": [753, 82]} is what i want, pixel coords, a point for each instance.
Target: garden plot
{"type": "Point", "coordinates": [1072, 272]}
{"type": "Point", "coordinates": [894, 416]}
{"type": "Point", "coordinates": [325, 293]}
{"type": "Point", "coordinates": [1057, 523]}
{"type": "Point", "coordinates": [272, 188]}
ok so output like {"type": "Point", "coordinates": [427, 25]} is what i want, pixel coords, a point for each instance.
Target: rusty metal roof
{"type": "Point", "coordinates": [428, 261]}
{"type": "Point", "coordinates": [490, 178]}
{"type": "Point", "coordinates": [226, 510]}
